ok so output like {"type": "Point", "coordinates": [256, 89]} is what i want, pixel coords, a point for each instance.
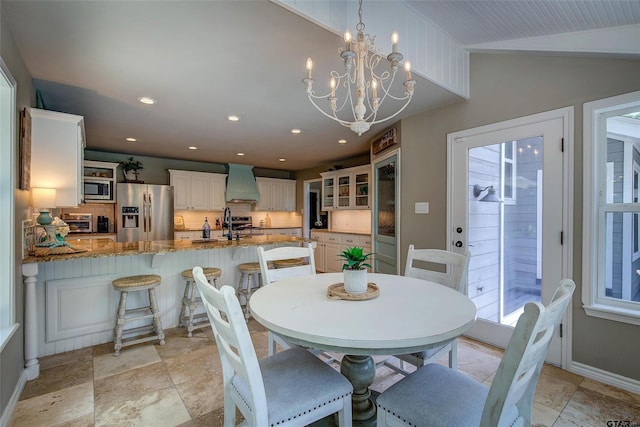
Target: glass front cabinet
{"type": "Point", "coordinates": [346, 188]}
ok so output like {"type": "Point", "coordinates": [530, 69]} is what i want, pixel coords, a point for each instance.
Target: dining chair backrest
{"type": "Point", "coordinates": [517, 375]}
{"type": "Point", "coordinates": [233, 340]}
{"type": "Point", "coordinates": [266, 258]}
{"type": "Point", "coordinates": [456, 266]}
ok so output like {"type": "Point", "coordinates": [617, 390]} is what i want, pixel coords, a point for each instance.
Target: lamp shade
{"type": "Point", "coordinates": [43, 197]}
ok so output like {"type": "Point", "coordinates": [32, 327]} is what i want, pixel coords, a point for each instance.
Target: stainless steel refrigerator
{"type": "Point", "coordinates": [144, 212]}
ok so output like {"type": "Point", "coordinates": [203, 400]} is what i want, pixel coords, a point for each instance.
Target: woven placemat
{"type": "Point", "coordinates": [336, 291]}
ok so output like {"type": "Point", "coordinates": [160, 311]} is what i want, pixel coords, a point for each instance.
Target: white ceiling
{"type": "Point", "coordinates": [204, 60]}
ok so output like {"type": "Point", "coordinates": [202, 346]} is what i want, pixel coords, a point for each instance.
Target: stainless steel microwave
{"type": "Point", "coordinates": [98, 189]}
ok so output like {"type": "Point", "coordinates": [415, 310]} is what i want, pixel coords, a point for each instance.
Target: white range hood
{"type": "Point", "coordinates": [241, 185]}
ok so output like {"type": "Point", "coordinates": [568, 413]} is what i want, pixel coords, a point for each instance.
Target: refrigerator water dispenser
{"type": "Point", "coordinates": [130, 216]}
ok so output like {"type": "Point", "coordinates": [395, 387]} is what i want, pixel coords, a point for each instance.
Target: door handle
{"type": "Point", "coordinates": [144, 213]}
{"type": "Point", "coordinates": [150, 213]}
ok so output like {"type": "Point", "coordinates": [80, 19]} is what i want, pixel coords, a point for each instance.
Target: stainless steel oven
{"type": "Point", "coordinates": [79, 222]}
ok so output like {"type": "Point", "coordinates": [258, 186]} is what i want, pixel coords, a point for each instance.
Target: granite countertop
{"type": "Point", "coordinates": [218, 229]}
{"type": "Point", "coordinates": [326, 230]}
{"type": "Point", "coordinates": [97, 248]}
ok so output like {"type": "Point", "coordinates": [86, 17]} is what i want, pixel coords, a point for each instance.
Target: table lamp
{"type": "Point", "coordinates": [43, 199]}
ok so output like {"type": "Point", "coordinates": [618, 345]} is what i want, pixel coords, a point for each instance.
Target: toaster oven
{"type": "Point", "coordinates": [79, 222]}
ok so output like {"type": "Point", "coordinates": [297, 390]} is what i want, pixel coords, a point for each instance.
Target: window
{"type": "Point", "coordinates": [636, 216]}
{"type": "Point", "coordinates": [7, 257]}
{"type": "Point", "coordinates": [508, 166]}
{"type": "Point", "coordinates": [611, 229]}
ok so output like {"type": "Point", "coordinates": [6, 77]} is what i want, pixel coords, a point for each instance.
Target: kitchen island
{"type": "Point", "coordinates": [69, 300]}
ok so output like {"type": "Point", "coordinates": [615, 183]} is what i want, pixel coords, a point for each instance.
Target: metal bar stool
{"type": "Point", "coordinates": [249, 273]}
{"type": "Point", "coordinates": [191, 302]}
{"type": "Point", "coordinates": [124, 285]}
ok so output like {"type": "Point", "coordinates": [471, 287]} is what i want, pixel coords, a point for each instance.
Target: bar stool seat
{"type": "Point", "coordinates": [286, 263]}
{"type": "Point", "coordinates": [249, 274]}
{"type": "Point", "coordinates": [191, 302]}
{"type": "Point", "coordinates": [145, 282]}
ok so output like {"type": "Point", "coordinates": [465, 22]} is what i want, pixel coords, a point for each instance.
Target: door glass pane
{"type": "Point", "coordinates": [343, 191]}
{"type": "Point", "coordinates": [505, 238]}
{"type": "Point", "coordinates": [386, 200]}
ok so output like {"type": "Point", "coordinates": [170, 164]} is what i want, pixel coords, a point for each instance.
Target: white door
{"type": "Point", "coordinates": [508, 205]}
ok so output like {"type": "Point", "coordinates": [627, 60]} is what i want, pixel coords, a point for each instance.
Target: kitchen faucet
{"type": "Point", "coordinates": [226, 221]}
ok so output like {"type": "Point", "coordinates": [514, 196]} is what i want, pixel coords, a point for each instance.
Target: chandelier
{"type": "Point", "coordinates": [354, 99]}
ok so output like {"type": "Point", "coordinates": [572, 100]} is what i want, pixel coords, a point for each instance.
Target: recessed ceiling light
{"type": "Point", "coordinates": [131, 140]}
{"type": "Point", "coordinates": [193, 147]}
{"type": "Point", "coordinates": [233, 118]}
{"type": "Point", "coordinates": [282, 160]}
{"type": "Point", "coordinates": [239, 154]}
{"type": "Point", "coordinates": [296, 131]}
{"type": "Point", "coordinates": [342, 141]}
{"type": "Point", "coordinates": [147, 100]}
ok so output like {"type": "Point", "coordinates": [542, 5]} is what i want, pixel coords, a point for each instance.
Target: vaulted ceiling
{"type": "Point", "coordinates": [205, 60]}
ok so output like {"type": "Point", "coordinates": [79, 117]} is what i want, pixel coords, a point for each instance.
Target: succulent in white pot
{"type": "Point", "coordinates": [355, 270]}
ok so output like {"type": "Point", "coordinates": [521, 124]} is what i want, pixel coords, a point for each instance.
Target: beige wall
{"type": "Point", "coordinates": [505, 87]}
{"type": "Point", "coordinates": [12, 356]}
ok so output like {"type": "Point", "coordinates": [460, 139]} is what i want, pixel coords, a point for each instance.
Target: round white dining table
{"type": "Point", "coordinates": [407, 316]}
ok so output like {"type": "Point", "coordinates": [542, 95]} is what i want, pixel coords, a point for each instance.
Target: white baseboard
{"type": "Point", "coordinates": [15, 397]}
{"type": "Point", "coordinates": [605, 377]}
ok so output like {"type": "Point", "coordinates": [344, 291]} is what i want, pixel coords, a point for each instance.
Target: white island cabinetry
{"type": "Point", "coordinates": [57, 155]}
{"type": "Point", "coordinates": [71, 304]}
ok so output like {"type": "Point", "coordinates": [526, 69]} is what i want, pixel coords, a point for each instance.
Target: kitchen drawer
{"type": "Point", "coordinates": [355, 240]}
{"type": "Point", "coordinates": [187, 235]}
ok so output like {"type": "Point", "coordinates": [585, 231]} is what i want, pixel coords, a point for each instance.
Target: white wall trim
{"type": "Point", "coordinates": [606, 377]}
{"type": "Point", "coordinates": [605, 41]}
{"type": "Point", "coordinates": [13, 402]}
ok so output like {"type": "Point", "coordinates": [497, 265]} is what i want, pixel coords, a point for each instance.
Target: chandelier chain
{"type": "Point", "coordinates": [360, 25]}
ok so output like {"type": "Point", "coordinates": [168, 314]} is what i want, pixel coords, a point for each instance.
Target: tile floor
{"type": "Point", "coordinates": [179, 384]}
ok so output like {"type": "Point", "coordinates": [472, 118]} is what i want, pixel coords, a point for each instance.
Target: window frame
{"type": "Point", "coordinates": [503, 173]}
{"type": "Point", "coordinates": [594, 299]}
{"type": "Point", "coordinates": [8, 325]}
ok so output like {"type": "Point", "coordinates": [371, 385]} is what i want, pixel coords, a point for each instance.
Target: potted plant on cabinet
{"type": "Point", "coordinates": [354, 268]}
{"type": "Point", "coordinates": [131, 169]}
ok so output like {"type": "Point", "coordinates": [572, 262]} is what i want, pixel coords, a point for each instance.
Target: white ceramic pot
{"type": "Point", "coordinates": [130, 175]}
{"type": "Point", "coordinates": [355, 281]}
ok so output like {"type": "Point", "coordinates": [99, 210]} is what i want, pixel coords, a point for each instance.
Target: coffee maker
{"type": "Point", "coordinates": [103, 224]}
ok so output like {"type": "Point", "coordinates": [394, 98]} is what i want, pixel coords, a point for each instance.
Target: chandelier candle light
{"type": "Point", "coordinates": [362, 53]}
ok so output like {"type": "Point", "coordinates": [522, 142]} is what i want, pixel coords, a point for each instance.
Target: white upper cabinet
{"type": "Point", "coordinates": [198, 191]}
{"type": "Point", "coordinates": [346, 188]}
{"type": "Point", "coordinates": [217, 187]}
{"type": "Point", "coordinates": [276, 194]}
{"type": "Point", "coordinates": [57, 154]}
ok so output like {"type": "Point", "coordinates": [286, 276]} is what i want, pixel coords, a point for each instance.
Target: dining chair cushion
{"type": "Point", "coordinates": [451, 399]}
{"type": "Point", "coordinates": [296, 383]}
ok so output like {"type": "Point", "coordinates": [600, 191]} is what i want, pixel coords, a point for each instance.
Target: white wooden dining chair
{"type": "Point", "coordinates": [291, 388]}
{"type": "Point", "coordinates": [455, 277]}
{"type": "Point", "coordinates": [437, 396]}
{"type": "Point", "coordinates": [270, 274]}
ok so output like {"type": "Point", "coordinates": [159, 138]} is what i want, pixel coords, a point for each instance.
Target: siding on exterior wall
{"type": "Point", "coordinates": [484, 234]}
